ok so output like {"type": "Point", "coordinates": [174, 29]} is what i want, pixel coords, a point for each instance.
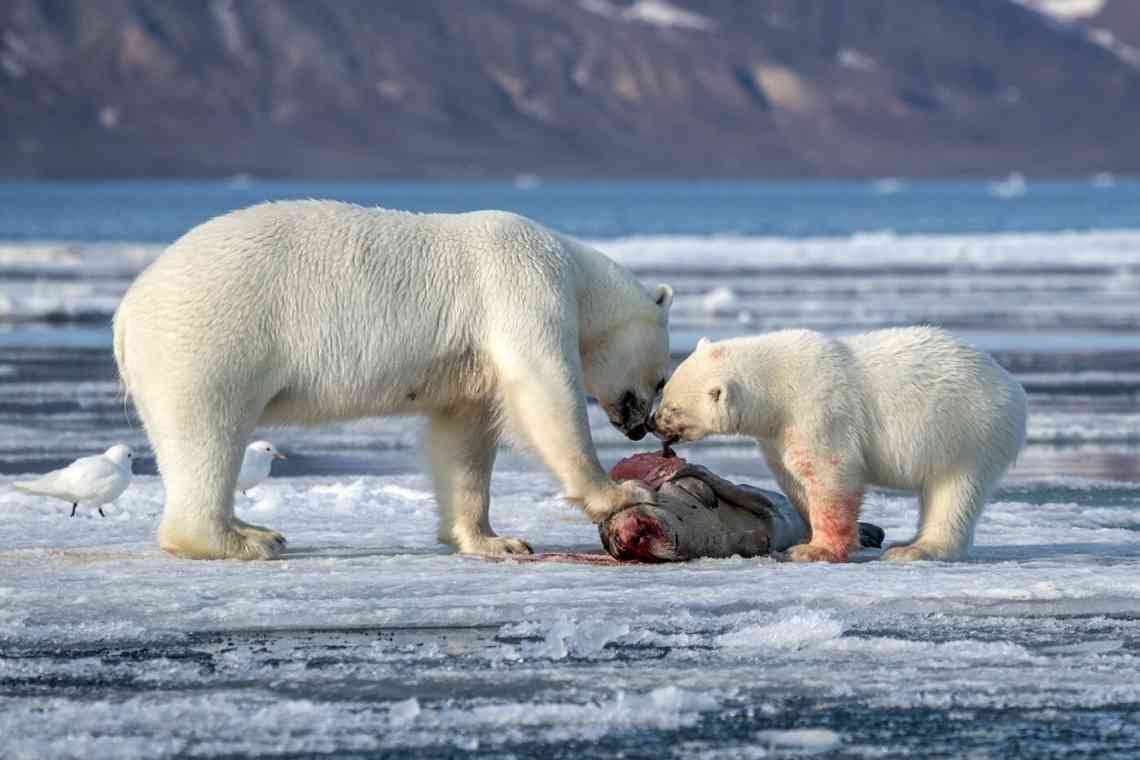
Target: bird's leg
{"type": "Point", "coordinates": [73, 507]}
{"type": "Point", "coordinates": [101, 512]}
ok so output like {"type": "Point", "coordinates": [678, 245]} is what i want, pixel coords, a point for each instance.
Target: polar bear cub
{"type": "Point", "coordinates": [302, 312]}
{"type": "Point", "coordinates": [910, 408]}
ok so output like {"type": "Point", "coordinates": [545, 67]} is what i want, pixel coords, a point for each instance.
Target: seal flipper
{"type": "Point", "coordinates": [754, 500]}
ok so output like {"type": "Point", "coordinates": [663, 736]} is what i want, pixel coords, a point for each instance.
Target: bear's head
{"type": "Point", "coordinates": [628, 366]}
{"type": "Point", "coordinates": [697, 400]}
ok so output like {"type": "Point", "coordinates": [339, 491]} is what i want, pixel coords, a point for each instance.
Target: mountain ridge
{"type": "Point", "coordinates": [655, 88]}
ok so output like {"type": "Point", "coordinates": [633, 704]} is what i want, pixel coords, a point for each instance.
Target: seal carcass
{"type": "Point", "coordinates": [699, 514]}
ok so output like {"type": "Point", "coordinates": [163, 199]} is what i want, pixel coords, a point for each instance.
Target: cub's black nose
{"type": "Point", "coordinates": [635, 433]}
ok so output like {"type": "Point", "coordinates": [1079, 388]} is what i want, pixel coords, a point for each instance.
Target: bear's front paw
{"type": "Point", "coordinates": [616, 498]}
{"type": "Point", "coordinates": [917, 552]}
{"type": "Point", "coordinates": [495, 546]}
{"type": "Point", "coordinates": [813, 553]}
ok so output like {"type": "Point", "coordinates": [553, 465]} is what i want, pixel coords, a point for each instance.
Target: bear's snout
{"type": "Point", "coordinates": [665, 427]}
{"type": "Point", "coordinates": [630, 415]}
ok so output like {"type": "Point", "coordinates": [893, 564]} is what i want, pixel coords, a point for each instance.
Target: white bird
{"type": "Point", "coordinates": [95, 481]}
{"type": "Point", "coordinates": [256, 463]}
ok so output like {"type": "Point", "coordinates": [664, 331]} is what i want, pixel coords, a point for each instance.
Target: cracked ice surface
{"type": "Point", "coordinates": [370, 637]}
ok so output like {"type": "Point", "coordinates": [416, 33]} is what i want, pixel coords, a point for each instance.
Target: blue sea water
{"type": "Point", "coordinates": [158, 212]}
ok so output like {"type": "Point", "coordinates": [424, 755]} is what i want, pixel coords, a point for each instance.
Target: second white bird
{"type": "Point", "coordinates": [256, 463]}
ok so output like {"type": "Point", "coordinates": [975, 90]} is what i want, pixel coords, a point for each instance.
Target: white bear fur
{"type": "Point", "coordinates": [301, 312]}
{"type": "Point", "coordinates": [911, 408]}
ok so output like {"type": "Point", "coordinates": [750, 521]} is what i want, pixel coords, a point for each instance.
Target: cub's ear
{"type": "Point", "coordinates": [703, 343]}
{"type": "Point", "coordinates": [718, 393]}
{"type": "Point", "coordinates": [663, 297]}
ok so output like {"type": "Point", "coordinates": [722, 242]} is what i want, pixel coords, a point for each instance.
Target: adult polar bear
{"type": "Point", "coordinates": [299, 312]}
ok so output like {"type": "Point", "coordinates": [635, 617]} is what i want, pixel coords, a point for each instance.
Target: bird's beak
{"type": "Point", "coordinates": [279, 455]}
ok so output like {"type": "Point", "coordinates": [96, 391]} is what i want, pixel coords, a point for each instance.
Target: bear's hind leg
{"type": "Point", "coordinates": [461, 447]}
{"type": "Point", "coordinates": [950, 509]}
{"type": "Point", "coordinates": [199, 453]}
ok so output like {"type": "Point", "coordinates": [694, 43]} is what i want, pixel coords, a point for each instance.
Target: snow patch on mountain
{"type": "Point", "coordinates": [652, 12]}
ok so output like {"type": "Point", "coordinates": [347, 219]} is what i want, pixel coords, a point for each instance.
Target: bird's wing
{"type": "Point", "coordinates": [252, 472]}
{"type": "Point", "coordinates": [89, 478]}
{"type": "Point", "coordinates": [42, 485]}
{"type": "Point", "coordinates": [246, 471]}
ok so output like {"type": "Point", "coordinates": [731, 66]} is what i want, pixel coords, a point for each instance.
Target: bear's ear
{"type": "Point", "coordinates": [663, 297]}
{"type": "Point", "coordinates": [703, 343]}
{"type": "Point", "coordinates": [716, 393]}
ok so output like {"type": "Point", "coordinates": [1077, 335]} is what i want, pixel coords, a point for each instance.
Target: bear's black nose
{"type": "Point", "coordinates": [635, 433]}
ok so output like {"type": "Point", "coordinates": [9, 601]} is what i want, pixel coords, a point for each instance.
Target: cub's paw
{"type": "Point", "coordinates": [812, 553]}
{"type": "Point", "coordinates": [495, 546]}
{"type": "Point", "coordinates": [917, 552]}
{"type": "Point", "coordinates": [616, 498]}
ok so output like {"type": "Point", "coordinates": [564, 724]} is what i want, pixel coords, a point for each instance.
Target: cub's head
{"type": "Point", "coordinates": [626, 367]}
{"type": "Point", "coordinates": [698, 397]}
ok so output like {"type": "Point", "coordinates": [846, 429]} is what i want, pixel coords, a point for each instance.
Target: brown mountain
{"type": "Point", "coordinates": [569, 87]}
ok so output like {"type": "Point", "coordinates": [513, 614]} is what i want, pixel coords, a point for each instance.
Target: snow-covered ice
{"type": "Point", "coordinates": [368, 635]}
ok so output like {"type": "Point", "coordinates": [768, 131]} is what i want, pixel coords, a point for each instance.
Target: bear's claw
{"type": "Point", "coordinates": [260, 531]}
{"type": "Point", "coordinates": [259, 545]}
